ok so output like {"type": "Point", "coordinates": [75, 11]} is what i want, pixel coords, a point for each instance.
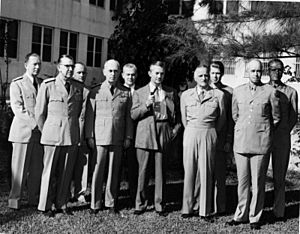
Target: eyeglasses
{"type": "Point", "coordinates": [68, 65]}
{"type": "Point", "coordinates": [276, 69]}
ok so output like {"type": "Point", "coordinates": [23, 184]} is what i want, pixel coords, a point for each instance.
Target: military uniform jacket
{"type": "Point", "coordinates": [57, 112]}
{"type": "Point", "coordinates": [226, 133]}
{"type": "Point", "coordinates": [23, 100]}
{"type": "Point", "coordinates": [108, 116]}
{"type": "Point", "coordinates": [146, 136]}
{"type": "Point", "coordinates": [82, 116]}
{"type": "Point", "coordinates": [208, 112]}
{"type": "Point", "coordinates": [288, 108]}
{"type": "Point", "coordinates": [255, 118]}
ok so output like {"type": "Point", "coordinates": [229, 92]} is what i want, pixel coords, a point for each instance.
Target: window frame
{"type": "Point", "coordinates": [42, 42]}
{"type": "Point", "coordinates": [93, 52]}
{"type": "Point", "coordinates": [67, 47]}
{"type": "Point", "coordinates": [14, 39]}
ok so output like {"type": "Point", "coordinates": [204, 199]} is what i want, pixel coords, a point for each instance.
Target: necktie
{"type": "Point", "coordinates": [112, 89]}
{"type": "Point", "coordinates": [67, 86]}
{"type": "Point", "coordinates": [35, 84]}
{"type": "Point", "coordinates": [201, 95]}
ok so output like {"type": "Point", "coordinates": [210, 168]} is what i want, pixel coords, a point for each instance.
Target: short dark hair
{"type": "Point", "coordinates": [276, 60]}
{"type": "Point", "coordinates": [158, 63]}
{"type": "Point", "coordinates": [31, 55]}
{"type": "Point", "coordinates": [219, 65]}
{"type": "Point", "coordinates": [64, 56]}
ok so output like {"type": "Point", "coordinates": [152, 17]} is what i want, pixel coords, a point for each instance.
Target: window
{"type": "Point", "coordinates": [265, 67]}
{"type": "Point", "coordinates": [99, 3]}
{"type": "Point", "coordinates": [9, 30]}
{"type": "Point", "coordinates": [42, 42]}
{"type": "Point", "coordinates": [94, 49]}
{"type": "Point", "coordinates": [173, 7]}
{"type": "Point", "coordinates": [68, 43]}
{"type": "Point", "coordinates": [229, 67]}
{"type": "Point", "coordinates": [232, 7]}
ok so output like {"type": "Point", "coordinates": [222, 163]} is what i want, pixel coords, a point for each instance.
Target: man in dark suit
{"type": "Point", "coordinates": [256, 113]}
{"type": "Point", "coordinates": [129, 75]}
{"type": "Point", "coordinates": [156, 108]}
{"type": "Point", "coordinates": [282, 139]}
{"type": "Point", "coordinates": [27, 155]}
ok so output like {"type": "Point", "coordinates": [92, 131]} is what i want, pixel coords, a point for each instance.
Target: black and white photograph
{"type": "Point", "coordinates": [149, 116]}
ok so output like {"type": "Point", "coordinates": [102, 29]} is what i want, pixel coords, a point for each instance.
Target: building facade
{"type": "Point", "coordinates": [50, 28]}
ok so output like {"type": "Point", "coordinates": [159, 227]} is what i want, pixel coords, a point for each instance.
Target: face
{"type": "Point", "coordinates": [33, 65]}
{"type": "Point", "coordinates": [156, 74]}
{"type": "Point", "coordinates": [215, 75]}
{"type": "Point", "coordinates": [255, 71]}
{"type": "Point", "coordinates": [111, 71]}
{"type": "Point", "coordinates": [79, 72]}
{"type": "Point", "coordinates": [129, 75]}
{"type": "Point", "coordinates": [201, 77]}
{"type": "Point", "coordinates": [66, 67]}
{"type": "Point", "coordinates": [275, 71]}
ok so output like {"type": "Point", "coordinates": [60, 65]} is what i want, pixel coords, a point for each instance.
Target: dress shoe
{"type": "Point", "coordinates": [162, 213]}
{"type": "Point", "coordinates": [64, 211]}
{"type": "Point", "coordinates": [233, 223]}
{"type": "Point", "coordinates": [279, 219]}
{"type": "Point", "coordinates": [114, 210]}
{"type": "Point", "coordinates": [48, 213]}
{"type": "Point", "coordinates": [186, 216]}
{"type": "Point", "coordinates": [255, 226]}
{"type": "Point", "coordinates": [138, 212]}
{"type": "Point", "coordinates": [209, 219]}
{"type": "Point", "coordinates": [94, 211]}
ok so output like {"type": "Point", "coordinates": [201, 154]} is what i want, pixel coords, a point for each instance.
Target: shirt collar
{"type": "Point", "coordinates": [30, 77]}
{"type": "Point", "coordinates": [152, 87]}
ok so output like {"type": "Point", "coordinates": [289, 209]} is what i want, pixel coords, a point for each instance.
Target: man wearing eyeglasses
{"type": "Point", "coordinates": [57, 111]}
{"type": "Point", "coordinates": [282, 139]}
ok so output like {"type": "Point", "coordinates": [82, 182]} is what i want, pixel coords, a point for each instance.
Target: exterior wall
{"type": "Point", "coordinates": [76, 16]}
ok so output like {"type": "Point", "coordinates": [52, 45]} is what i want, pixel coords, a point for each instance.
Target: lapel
{"type": "Point", "coordinates": [194, 94]}
{"type": "Point", "coordinates": [29, 85]}
{"type": "Point", "coordinates": [169, 100]}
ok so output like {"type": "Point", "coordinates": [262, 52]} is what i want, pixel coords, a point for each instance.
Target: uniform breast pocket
{"type": "Point", "coordinates": [30, 100]}
{"type": "Point", "coordinates": [211, 108]}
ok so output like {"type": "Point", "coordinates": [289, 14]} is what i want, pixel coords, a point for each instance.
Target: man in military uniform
{"type": "Point", "coordinates": [256, 113]}
{"type": "Point", "coordinates": [83, 160]}
{"type": "Point", "coordinates": [129, 74]}
{"type": "Point", "coordinates": [24, 134]}
{"type": "Point", "coordinates": [57, 111]}
{"type": "Point", "coordinates": [156, 108]}
{"type": "Point", "coordinates": [282, 140]}
{"type": "Point", "coordinates": [109, 128]}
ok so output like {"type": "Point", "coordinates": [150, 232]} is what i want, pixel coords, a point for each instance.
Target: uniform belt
{"type": "Point", "coordinates": [161, 120]}
{"type": "Point", "coordinates": [202, 125]}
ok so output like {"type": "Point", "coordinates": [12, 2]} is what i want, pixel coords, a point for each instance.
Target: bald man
{"type": "Point", "coordinates": [256, 113]}
{"type": "Point", "coordinates": [109, 128]}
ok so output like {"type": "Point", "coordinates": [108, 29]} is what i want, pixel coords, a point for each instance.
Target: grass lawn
{"type": "Point", "coordinates": [28, 220]}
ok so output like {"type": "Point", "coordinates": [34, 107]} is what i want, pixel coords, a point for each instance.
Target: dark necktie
{"type": "Point", "coordinates": [112, 89]}
{"type": "Point", "coordinates": [35, 84]}
{"type": "Point", "coordinates": [67, 86]}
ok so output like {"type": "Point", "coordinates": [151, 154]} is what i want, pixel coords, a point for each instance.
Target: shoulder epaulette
{"type": "Point", "coordinates": [49, 80]}
{"type": "Point", "coordinates": [18, 78]}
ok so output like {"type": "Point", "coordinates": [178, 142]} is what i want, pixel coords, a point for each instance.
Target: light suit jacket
{"type": "Point", "coordinates": [23, 100]}
{"type": "Point", "coordinates": [57, 112]}
{"type": "Point", "coordinates": [108, 116]}
{"type": "Point", "coordinates": [256, 116]}
{"type": "Point", "coordinates": [146, 136]}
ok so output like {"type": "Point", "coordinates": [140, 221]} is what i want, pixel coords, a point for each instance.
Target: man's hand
{"type": "Point", "coordinates": [90, 143]}
{"type": "Point", "coordinates": [150, 101]}
{"type": "Point", "coordinates": [127, 143]}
